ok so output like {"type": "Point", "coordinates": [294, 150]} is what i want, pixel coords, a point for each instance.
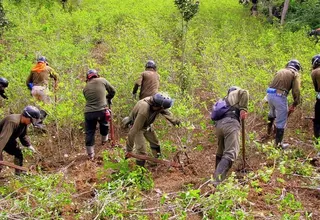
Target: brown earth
{"type": "Point", "coordinates": [198, 165]}
{"type": "Point", "coordinates": [73, 162]}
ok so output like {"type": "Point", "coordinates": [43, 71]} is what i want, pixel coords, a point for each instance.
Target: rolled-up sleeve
{"type": "Point", "coordinates": [243, 99]}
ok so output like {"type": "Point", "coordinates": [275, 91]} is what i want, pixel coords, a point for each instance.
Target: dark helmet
{"type": "Point", "coordinates": [42, 59]}
{"type": "Point", "coordinates": [92, 73]}
{"type": "Point", "coordinates": [33, 113]}
{"type": "Point", "coordinates": [315, 61]}
{"type": "Point", "coordinates": [294, 64]}
{"type": "Point", "coordinates": [312, 32]}
{"type": "Point", "coordinates": [162, 101]}
{"type": "Point", "coordinates": [4, 82]}
{"type": "Point", "coordinates": [232, 88]}
{"type": "Point", "coordinates": [151, 64]}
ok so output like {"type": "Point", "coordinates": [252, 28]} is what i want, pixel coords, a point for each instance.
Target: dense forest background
{"type": "Point", "coordinates": [201, 48]}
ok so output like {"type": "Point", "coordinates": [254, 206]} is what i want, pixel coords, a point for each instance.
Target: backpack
{"type": "Point", "coordinates": [219, 109]}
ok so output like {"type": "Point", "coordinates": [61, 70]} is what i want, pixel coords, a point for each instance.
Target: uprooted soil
{"type": "Point", "coordinates": [198, 165]}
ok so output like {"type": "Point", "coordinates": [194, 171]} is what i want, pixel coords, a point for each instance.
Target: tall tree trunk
{"type": "Point", "coordinates": [270, 6]}
{"type": "Point", "coordinates": [284, 11]}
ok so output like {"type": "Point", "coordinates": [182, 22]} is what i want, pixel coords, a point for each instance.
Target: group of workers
{"type": "Point", "coordinates": [152, 103]}
{"type": "Point", "coordinates": [284, 81]}
{"type": "Point", "coordinates": [15, 125]}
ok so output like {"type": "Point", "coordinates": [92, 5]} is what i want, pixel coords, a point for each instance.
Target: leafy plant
{"type": "Point", "coordinates": [40, 196]}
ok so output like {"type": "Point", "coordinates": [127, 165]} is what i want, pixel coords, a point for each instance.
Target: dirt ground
{"type": "Point", "coordinates": [198, 167]}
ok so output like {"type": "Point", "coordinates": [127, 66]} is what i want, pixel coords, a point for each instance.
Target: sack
{"type": "Point", "coordinates": [219, 109]}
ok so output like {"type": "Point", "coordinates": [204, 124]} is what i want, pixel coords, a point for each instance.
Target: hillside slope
{"type": "Point", "coordinates": [225, 46]}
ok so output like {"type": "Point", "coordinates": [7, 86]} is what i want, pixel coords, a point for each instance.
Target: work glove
{"type": "Point", "coordinates": [109, 101]}
{"type": "Point", "coordinates": [177, 123]}
{"type": "Point", "coordinates": [3, 95]}
{"type": "Point", "coordinates": [32, 149]}
{"type": "Point", "coordinates": [291, 109]}
{"type": "Point", "coordinates": [126, 122]}
{"type": "Point", "coordinates": [134, 96]}
{"type": "Point", "coordinates": [243, 114]}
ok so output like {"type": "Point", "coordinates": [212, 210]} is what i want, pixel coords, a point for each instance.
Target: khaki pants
{"type": "Point", "coordinates": [140, 144]}
{"type": "Point", "coordinates": [227, 132]}
{"type": "Point", "coordinates": [40, 93]}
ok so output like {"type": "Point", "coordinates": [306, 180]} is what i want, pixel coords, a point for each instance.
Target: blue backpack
{"type": "Point", "coordinates": [219, 109]}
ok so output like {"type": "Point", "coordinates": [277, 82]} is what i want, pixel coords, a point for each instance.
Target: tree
{"type": "Point", "coordinates": [284, 11]}
{"type": "Point", "coordinates": [188, 9]}
{"type": "Point", "coordinates": [3, 21]}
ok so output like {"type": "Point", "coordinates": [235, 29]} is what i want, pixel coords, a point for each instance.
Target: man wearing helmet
{"type": "Point", "coordinates": [315, 76]}
{"type": "Point", "coordinates": [141, 117]}
{"type": "Point", "coordinates": [3, 85]}
{"type": "Point", "coordinates": [227, 132]}
{"type": "Point", "coordinates": [15, 126]}
{"type": "Point", "coordinates": [149, 81]}
{"type": "Point", "coordinates": [95, 109]}
{"type": "Point", "coordinates": [285, 80]}
{"type": "Point", "coordinates": [38, 78]}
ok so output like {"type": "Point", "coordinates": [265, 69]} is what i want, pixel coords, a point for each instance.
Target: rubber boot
{"type": "Point", "coordinates": [316, 131]}
{"type": "Point", "coordinates": [221, 172]}
{"type": "Point", "coordinates": [156, 151]}
{"type": "Point", "coordinates": [19, 162]}
{"type": "Point", "coordinates": [269, 126]}
{"type": "Point", "coordinates": [279, 138]}
{"type": "Point", "coordinates": [218, 159]}
{"type": "Point", "coordinates": [140, 163]}
{"type": "Point", "coordinates": [90, 152]}
{"type": "Point", "coordinates": [104, 139]}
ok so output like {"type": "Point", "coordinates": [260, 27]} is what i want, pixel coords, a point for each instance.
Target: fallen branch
{"type": "Point", "coordinates": [64, 169]}
{"type": "Point", "coordinates": [5, 163]}
{"type": "Point", "coordinates": [81, 194]}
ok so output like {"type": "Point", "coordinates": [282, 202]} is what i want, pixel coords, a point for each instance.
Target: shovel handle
{"type": "Point", "coordinates": [243, 131]}
{"type": "Point", "coordinates": [111, 128]}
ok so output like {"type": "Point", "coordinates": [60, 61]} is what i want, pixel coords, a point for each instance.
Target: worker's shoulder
{"type": "Point", "coordinates": [316, 71]}
{"type": "Point", "coordinates": [101, 80]}
{"type": "Point", "coordinates": [149, 72]}
{"type": "Point", "coordinates": [288, 72]}
{"type": "Point", "coordinates": [13, 118]}
{"type": "Point", "coordinates": [143, 105]}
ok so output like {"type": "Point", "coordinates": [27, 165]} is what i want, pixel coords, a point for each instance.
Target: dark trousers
{"type": "Point", "coordinates": [12, 148]}
{"type": "Point", "coordinates": [316, 121]}
{"type": "Point", "coordinates": [91, 119]}
{"type": "Point", "coordinates": [317, 112]}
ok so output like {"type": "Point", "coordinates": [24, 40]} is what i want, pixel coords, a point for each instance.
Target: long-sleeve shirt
{"type": "Point", "coordinates": [11, 128]}
{"type": "Point", "coordinates": [42, 78]}
{"type": "Point", "coordinates": [143, 116]}
{"type": "Point", "coordinates": [315, 76]}
{"type": "Point", "coordinates": [239, 99]}
{"type": "Point", "coordinates": [95, 94]}
{"type": "Point", "coordinates": [285, 80]}
{"type": "Point", "coordinates": [149, 81]}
